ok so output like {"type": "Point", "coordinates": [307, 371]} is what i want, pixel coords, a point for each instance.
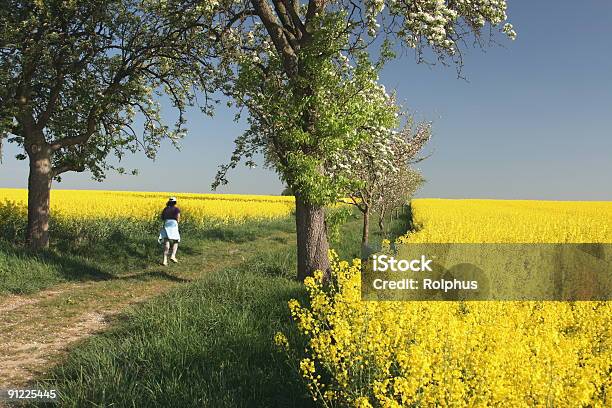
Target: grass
{"type": "Point", "coordinates": [348, 246]}
{"type": "Point", "coordinates": [207, 342]}
{"type": "Point", "coordinates": [123, 248]}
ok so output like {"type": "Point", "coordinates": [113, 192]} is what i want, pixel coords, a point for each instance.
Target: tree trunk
{"type": "Point", "coordinates": [312, 245]}
{"type": "Point", "coordinates": [39, 192]}
{"type": "Point", "coordinates": [365, 236]}
{"type": "Point", "coordinates": [381, 223]}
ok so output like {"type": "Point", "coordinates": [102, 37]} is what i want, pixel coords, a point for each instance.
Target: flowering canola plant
{"type": "Point", "coordinates": [145, 206]}
{"type": "Point", "coordinates": [514, 221]}
{"type": "Point", "coordinates": [461, 354]}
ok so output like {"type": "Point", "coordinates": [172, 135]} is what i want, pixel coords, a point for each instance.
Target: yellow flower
{"type": "Point", "coordinates": [470, 354]}
{"type": "Point", "coordinates": [195, 208]}
{"type": "Point", "coordinates": [362, 402]}
{"type": "Point", "coordinates": [281, 341]}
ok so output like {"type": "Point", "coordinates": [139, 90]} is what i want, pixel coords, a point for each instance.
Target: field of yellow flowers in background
{"type": "Point", "coordinates": [440, 220]}
{"type": "Point", "coordinates": [144, 206]}
{"type": "Point", "coordinates": [461, 354]}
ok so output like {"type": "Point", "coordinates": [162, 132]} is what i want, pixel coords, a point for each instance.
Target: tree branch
{"type": "Point", "coordinates": [43, 118]}
{"type": "Point", "coordinates": [293, 8]}
{"type": "Point", "coordinates": [277, 34]}
{"type": "Point", "coordinates": [79, 168]}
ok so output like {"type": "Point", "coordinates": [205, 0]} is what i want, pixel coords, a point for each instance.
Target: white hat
{"type": "Point", "coordinates": [172, 199]}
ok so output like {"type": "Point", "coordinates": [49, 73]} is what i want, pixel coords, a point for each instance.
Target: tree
{"type": "Point", "coordinates": [396, 192]}
{"type": "Point", "coordinates": [282, 58]}
{"type": "Point", "coordinates": [298, 127]}
{"type": "Point", "coordinates": [77, 74]}
{"type": "Point", "coordinates": [381, 168]}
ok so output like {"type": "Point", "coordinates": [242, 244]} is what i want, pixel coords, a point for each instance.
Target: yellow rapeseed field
{"type": "Point", "coordinates": [511, 221]}
{"type": "Point", "coordinates": [462, 354]}
{"type": "Point", "coordinates": [196, 208]}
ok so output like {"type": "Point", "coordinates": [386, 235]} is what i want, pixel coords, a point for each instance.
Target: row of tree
{"type": "Point", "coordinates": [383, 169]}
{"type": "Point", "coordinates": [75, 75]}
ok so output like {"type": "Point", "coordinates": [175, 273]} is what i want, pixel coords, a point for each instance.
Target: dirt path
{"type": "Point", "coordinates": [36, 331]}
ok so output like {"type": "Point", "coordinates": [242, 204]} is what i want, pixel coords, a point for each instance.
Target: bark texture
{"type": "Point", "coordinates": [365, 235]}
{"type": "Point", "coordinates": [381, 224]}
{"type": "Point", "coordinates": [312, 242]}
{"type": "Point", "coordinates": [39, 193]}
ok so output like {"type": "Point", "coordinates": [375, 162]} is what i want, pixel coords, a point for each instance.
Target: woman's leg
{"type": "Point", "coordinates": [174, 249]}
{"type": "Point", "coordinates": [166, 251]}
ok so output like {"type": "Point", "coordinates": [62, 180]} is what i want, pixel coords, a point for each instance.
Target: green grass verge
{"type": "Point", "coordinates": [208, 343]}
{"type": "Point", "coordinates": [120, 248]}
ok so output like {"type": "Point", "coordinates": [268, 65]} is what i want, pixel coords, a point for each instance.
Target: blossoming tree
{"type": "Point", "coordinates": [301, 70]}
{"type": "Point", "coordinates": [381, 169]}
{"type": "Point", "coordinates": [76, 75]}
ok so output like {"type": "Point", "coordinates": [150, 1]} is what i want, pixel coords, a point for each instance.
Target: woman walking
{"type": "Point", "coordinates": [169, 234]}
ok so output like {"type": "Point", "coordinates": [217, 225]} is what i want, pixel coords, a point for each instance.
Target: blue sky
{"type": "Point", "coordinates": [533, 120]}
